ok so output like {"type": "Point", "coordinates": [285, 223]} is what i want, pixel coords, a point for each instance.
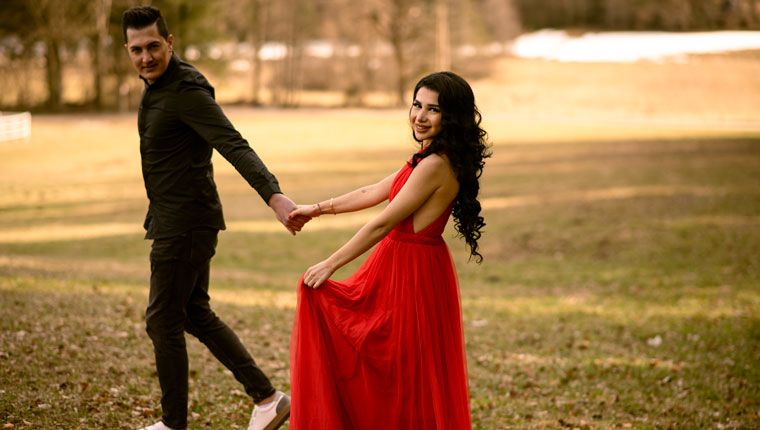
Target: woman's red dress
{"type": "Point", "coordinates": [384, 348]}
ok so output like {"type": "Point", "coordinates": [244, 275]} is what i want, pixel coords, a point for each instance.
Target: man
{"type": "Point", "coordinates": [179, 123]}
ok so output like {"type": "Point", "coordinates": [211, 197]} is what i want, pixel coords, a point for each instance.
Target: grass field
{"type": "Point", "coordinates": [620, 287]}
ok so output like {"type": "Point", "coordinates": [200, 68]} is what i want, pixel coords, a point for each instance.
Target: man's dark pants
{"type": "Point", "coordinates": [179, 302]}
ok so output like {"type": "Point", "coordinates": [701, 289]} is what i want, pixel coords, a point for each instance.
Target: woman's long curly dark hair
{"type": "Point", "coordinates": [464, 143]}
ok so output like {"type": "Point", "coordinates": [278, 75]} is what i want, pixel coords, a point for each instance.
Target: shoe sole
{"type": "Point", "coordinates": [279, 420]}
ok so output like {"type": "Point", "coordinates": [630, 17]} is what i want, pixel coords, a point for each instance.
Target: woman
{"type": "Point", "coordinates": [384, 349]}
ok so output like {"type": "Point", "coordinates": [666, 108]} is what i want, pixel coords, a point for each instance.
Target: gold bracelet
{"type": "Point", "coordinates": [320, 209]}
{"type": "Point", "coordinates": [332, 209]}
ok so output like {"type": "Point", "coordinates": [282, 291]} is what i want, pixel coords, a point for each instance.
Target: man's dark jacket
{"type": "Point", "coordinates": [180, 124]}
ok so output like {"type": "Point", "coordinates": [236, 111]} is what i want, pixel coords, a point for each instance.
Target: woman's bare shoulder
{"type": "Point", "coordinates": [435, 161]}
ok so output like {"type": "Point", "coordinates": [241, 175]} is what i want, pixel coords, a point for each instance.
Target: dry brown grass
{"type": "Point", "coordinates": [709, 90]}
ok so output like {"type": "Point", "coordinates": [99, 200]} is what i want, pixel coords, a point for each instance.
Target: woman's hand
{"type": "Point", "coordinates": [305, 211]}
{"type": "Point", "coordinates": [318, 274]}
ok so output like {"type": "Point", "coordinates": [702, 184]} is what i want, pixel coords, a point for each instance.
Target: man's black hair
{"type": "Point", "coordinates": [139, 17]}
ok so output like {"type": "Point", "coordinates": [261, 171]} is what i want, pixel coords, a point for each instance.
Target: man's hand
{"type": "Point", "coordinates": [282, 207]}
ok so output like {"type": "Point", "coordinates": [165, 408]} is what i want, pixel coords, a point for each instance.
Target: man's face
{"type": "Point", "coordinates": [149, 51]}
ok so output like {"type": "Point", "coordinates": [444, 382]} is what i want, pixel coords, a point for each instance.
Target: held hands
{"type": "Point", "coordinates": [293, 217]}
{"type": "Point", "coordinates": [310, 211]}
{"type": "Point", "coordinates": [315, 210]}
{"type": "Point", "coordinates": [283, 207]}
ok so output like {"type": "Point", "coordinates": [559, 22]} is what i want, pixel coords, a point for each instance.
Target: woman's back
{"type": "Point", "coordinates": [441, 199]}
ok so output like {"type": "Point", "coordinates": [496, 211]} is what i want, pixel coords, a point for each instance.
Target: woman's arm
{"type": "Point", "coordinates": [426, 178]}
{"type": "Point", "coordinates": [361, 198]}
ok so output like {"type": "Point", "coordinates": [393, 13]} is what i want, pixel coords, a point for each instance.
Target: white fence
{"type": "Point", "coordinates": [15, 125]}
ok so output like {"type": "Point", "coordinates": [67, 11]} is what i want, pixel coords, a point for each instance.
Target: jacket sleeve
{"type": "Point", "coordinates": [198, 109]}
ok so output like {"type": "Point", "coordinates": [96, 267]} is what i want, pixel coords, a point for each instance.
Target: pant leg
{"type": "Point", "coordinates": [222, 341]}
{"type": "Point", "coordinates": [171, 284]}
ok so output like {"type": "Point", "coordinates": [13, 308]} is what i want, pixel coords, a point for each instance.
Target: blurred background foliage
{"type": "Point", "coordinates": [669, 15]}
{"type": "Point", "coordinates": [68, 55]}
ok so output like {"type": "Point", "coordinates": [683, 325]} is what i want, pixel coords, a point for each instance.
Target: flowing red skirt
{"type": "Point", "coordinates": [384, 348]}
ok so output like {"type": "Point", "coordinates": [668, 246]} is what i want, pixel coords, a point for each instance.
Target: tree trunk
{"type": "Point", "coordinates": [50, 22]}
{"type": "Point", "coordinates": [102, 14]}
{"type": "Point", "coordinates": [397, 42]}
{"type": "Point", "coordinates": [255, 37]}
{"type": "Point", "coordinates": [287, 73]}
{"type": "Point", "coordinates": [54, 74]}
{"type": "Point", "coordinates": [754, 17]}
{"type": "Point", "coordinates": [442, 41]}
{"type": "Point", "coordinates": [398, 52]}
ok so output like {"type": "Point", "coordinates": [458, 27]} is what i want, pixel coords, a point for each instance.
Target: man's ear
{"type": "Point", "coordinates": [170, 39]}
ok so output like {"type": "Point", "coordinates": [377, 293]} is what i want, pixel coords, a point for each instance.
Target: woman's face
{"type": "Point", "coordinates": [425, 115]}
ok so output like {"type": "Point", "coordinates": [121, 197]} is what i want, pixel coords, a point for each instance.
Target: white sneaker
{"type": "Point", "coordinates": [158, 426]}
{"type": "Point", "coordinates": [272, 415]}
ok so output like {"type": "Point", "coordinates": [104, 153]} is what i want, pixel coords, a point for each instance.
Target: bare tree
{"type": "Point", "coordinates": [402, 23]}
{"type": "Point", "coordinates": [502, 19]}
{"type": "Point", "coordinates": [294, 22]}
{"type": "Point", "coordinates": [50, 20]}
{"type": "Point", "coordinates": [247, 21]}
{"type": "Point", "coordinates": [54, 23]}
{"type": "Point", "coordinates": [17, 43]}
{"type": "Point", "coordinates": [442, 39]}
{"type": "Point", "coordinates": [99, 55]}
{"type": "Point", "coordinates": [256, 36]}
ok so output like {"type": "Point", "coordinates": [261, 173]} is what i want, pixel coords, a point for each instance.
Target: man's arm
{"type": "Point", "coordinates": [199, 110]}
